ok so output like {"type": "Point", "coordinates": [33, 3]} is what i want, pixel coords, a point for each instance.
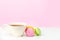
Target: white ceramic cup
{"type": "Point", "coordinates": [16, 29]}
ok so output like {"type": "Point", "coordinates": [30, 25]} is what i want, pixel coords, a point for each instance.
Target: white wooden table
{"type": "Point", "coordinates": [48, 33]}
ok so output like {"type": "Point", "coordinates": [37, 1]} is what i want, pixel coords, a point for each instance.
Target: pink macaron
{"type": "Point", "coordinates": [29, 32]}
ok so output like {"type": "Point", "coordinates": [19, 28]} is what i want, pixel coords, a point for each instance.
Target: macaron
{"type": "Point", "coordinates": [29, 32]}
{"type": "Point", "coordinates": [30, 27]}
{"type": "Point", "coordinates": [37, 31]}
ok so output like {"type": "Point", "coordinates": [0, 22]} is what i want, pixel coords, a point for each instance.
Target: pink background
{"type": "Point", "coordinates": [34, 12]}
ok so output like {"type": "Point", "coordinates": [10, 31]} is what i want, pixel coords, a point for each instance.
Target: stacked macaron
{"type": "Point", "coordinates": [31, 31]}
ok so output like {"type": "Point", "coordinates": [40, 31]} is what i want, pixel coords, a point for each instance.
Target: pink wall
{"type": "Point", "coordinates": [34, 12]}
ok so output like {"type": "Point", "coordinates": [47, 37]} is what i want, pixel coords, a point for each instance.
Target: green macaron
{"type": "Point", "coordinates": [37, 31]}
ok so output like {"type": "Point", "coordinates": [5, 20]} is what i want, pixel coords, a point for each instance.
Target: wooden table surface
{"type": "Point", "coordinates": [48, 33]}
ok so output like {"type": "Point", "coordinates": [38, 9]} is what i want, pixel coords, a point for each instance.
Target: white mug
{"type": "Point", "coordinates": [16, 29]}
